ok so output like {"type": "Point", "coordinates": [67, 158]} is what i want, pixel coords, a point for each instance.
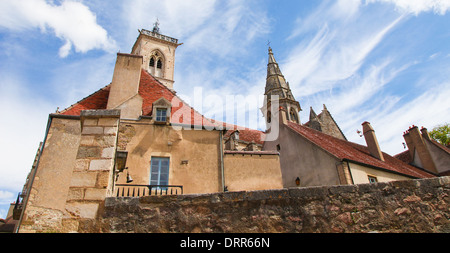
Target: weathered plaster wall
{"type": "Point", "coordinates": [360, 174]}
{"type": "Point", "coordinates": [296, 155]}
{"type": "Point", "coordinates": [398, 206]}
{"type": "Point", "coordinates": [250, 171]}
{"type": "Point", "coordinates": [47, 199]}
{"type": "Point", "coordinates": [200, 173]}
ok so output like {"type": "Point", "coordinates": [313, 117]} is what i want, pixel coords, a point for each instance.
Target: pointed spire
{"type": "Point", "coordinates": [314, 121]}
{"type": "Point", "coordinates": [276, 84]}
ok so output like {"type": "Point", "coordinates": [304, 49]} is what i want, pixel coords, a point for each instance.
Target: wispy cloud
{"type": "Point", "coordinates": [417, 6]}
{"type": "Point", "coordinates": [71, 21]}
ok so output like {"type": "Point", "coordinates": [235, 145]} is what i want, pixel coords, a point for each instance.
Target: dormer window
{"type": "Point", "coordinates": [161, 111]}
{"type": "Point", "coordinates": [161, 114]}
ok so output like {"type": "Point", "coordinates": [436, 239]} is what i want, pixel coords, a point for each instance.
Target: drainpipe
{"type": "Point", "coordinates": [30, 186]}
{"type": "Point", "coordinates": [221, 159]}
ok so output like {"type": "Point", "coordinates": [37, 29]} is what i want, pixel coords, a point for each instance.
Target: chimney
{"type": "Point", "coordinates": [422, 149]}
{"type": "Point", "coordinates": [409, 143]}
{"type": "Point", "coordinates": [371, 140]}
{"type": "Point", "coordinates": [125, 85]}
{"type": "Point", "coordinates": [425, 134]}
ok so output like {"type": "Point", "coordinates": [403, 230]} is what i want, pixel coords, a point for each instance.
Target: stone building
{"type": "Point", "coordinates": [317, 152]}
{"type": "Point", "coordinates": [136, 137]}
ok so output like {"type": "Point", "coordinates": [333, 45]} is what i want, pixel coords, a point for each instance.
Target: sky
{"type": "Point", "coordinates": [382, 61]}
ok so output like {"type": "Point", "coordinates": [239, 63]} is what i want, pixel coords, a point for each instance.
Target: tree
{"type": "Point", "coordinates": [441, 134]}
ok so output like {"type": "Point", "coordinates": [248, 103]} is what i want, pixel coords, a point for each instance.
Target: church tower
{"type": "Point", "coordinates": [158, 53]}
{"type": "Point", "coordinates": [276, 85]}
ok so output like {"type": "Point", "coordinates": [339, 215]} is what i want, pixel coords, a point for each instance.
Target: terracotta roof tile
{"type": "Point", "coordinates": [346, 150]}
{"type": "Point", "coordinates": [150, 90]}
{"type": "Point", "coordinates": [97, 100]}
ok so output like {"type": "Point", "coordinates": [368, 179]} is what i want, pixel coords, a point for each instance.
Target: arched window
{"type": "Point", "coordinates": [159, 64]}
{"type": "Point", "coordinates": [152, 62]}
{"type": "Point", "coordinates": [293, 116]}
{"type": "Point", "coordinates": [156, 62]}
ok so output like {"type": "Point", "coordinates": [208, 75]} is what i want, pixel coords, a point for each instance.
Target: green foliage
{"type": "Point", "coordinates": [441, 134]}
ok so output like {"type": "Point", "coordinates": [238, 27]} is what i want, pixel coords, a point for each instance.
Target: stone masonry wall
{"type": "Point", "coordinates": [398, 206]}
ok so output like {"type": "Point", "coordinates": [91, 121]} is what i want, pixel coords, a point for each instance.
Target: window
{"type": "Point", "coordinates": [152, 62]}
{"type": "Point", "coordinates": [161, 114]}
{"type": "Point", "coordinates": [159, 171]}
{"type": "Point", "coordinates": [293, 116]}
{"type": "Point", "coordinates": [159, 64]}
{"type": "Point", "coordinates": [372, 179]}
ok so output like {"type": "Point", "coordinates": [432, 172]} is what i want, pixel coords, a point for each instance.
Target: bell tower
{"type": "Point", "coordinates": [158, 52]}
{"type": "Point", "coordinates": [276, 85]}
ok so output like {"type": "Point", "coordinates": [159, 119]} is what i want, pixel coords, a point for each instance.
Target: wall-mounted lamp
{"type": "Point", "coordinates": [297, 181]}
{"type": "Point", "coordinates": [129, 179]}
{"type": "Point", "coordinates": [184, 161]}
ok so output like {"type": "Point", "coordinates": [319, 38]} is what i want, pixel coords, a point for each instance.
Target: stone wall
{"type": "Point", "coordinates": [399, 206]}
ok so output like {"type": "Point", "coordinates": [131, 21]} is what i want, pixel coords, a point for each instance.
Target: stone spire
{"type": "Point", "coordinates": [276, 85]}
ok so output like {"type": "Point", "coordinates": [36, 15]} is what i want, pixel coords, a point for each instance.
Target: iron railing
{"type": "Point", "coordinates": [136, 190]}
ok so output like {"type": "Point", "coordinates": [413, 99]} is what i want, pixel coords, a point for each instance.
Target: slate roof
{"type": "Point", "coordinates": [346, 150]}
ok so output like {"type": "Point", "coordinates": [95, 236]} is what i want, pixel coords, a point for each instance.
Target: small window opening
{"type": "Point", "coordinates": [161, 114]}
{"type": "Point", "coordinates": [278, 147]}
{"type": "Point", "coordinates": [152, 62]}
{"type": "Point", "coordinates": [159, 64]}
{"type": "Point", "coordinates": [372, 179]}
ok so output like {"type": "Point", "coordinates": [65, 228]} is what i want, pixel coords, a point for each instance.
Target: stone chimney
{"type": "Point", "coordinates": [418, 146]}
{"type": "Point", "coordinates": [123, 94]}
{"type": "Point", "coordinates": [425, 134]}
{"type": "Point", "coordinates": [372, 142]}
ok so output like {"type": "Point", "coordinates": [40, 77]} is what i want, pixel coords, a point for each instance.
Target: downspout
{"type": "Point", "coordinates": [30, 186]}
{"type": "Point", "coordinates": [221, 159]}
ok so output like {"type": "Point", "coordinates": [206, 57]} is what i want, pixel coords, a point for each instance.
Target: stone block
{"type": "Point", "coordinates": [82, 210]}
{"type": "Point", "coordinates": [107, 121]}
{"type": "Point", "coordinates": [81, 164]}
{"type": "Point", "coordinates": [92, 130]}
{"type": "Point", "coordinates": [87, 140]}
{"type": "Point", "coordinates": [110, 130]}
{"type": "Point", "coordinates": [106, 141]}
{"type": "Point", "coordinates": [103, 179]}
{"type": "Point", "coordinates": [95, 194]}
{"type": "Point", "coordinates": [75, 193]}
{"type": "Point", "coordinates": [101, 164]}
{"type": "Point", "coordinates": [88, 152]}
{"type": "Point", "coordinates": [108, 152]}
{"type": "Point", "coordinates": [90, 122]}
{"type": "Point", "coordinates": [83, 179]}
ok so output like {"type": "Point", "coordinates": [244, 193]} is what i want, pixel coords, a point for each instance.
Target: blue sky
{"type": "Point", "coordinates": [382, 61]}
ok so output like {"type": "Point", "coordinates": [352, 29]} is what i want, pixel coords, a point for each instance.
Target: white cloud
{"type": "Point", "coordinates": [71, 21]}
{"type": "Point", "coordinates": [418, 6]}
{"type": "Point", "coordinates": [340, 45]}
{"type": "Point", "coordinates": [23, 119]}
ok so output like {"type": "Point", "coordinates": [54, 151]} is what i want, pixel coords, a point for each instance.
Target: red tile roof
{"type": "Point", "coordinates": [350, 151]}
{"type": "Point", "coordinates": [97, 100]}
{"type": "Point", "coordinates": [150, 90]}
{"type": "Point", "coordinates": [245, 134]}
